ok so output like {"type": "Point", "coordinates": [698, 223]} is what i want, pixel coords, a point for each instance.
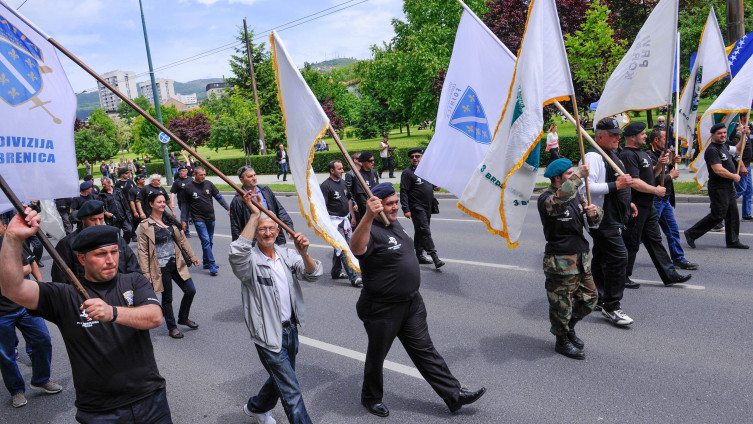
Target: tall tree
{"type": "Point", "coordinates": [125, 111]}
{"type": "Point", "coordinates": [193, 128]}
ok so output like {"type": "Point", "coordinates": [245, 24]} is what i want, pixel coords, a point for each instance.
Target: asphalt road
{"type": "Point", "coordinates": [687, 358]}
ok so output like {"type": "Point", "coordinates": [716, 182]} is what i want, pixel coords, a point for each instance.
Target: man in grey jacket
{"type": "Point", "coordinates": [273, 309]}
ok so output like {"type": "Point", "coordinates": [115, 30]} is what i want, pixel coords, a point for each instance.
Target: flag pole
{"type": "Point", "coordinates": [14, 200]}
{"type": "Point", "coordinates": [745, 139]}
{"type": "Point", "coordinates": [580, 143]}
{"type": "Point", "coordinates": [355, 171]}
{"type": "Point", "coordinates": [175, 138]}
{"type": "Point", "coordinates": [590, 140]}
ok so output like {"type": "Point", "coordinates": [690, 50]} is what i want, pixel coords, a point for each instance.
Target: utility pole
{"type": "Point", "coordinates": [155, 95]}
{"type": "Point", "coordinates": [262, 143]}
{"type": "Point", "coordinates": [735, 21]}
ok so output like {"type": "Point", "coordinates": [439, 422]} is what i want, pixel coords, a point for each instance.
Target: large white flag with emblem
{"type": "Point", "coordinates": [734, 100]}
{"type": "Point", "coordinates": [37, 112]}
{"type": "Point", "coordinates": [710, 65]}
{"type": "Point", "coordinates": [305, 124]}
{"type": "Point", "coordinates": [643, 79]}
{"type": "Point", "coordinates": [501, 187]}
{"type": "Point", "coordinates": [473, 96]}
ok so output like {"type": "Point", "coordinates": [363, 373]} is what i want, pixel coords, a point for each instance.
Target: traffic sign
{"type": "Point", "coordinates": [164, 138]}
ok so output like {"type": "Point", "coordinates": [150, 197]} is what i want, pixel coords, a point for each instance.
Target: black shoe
{"type": "Point", "coordinates": [680, 279]}
{"type": "Point", "coordinates": [466, 397]}
{"type": "Point", "coordinates": [690, 240]}
{"type": "Point", "coordinates": [188, 235]}
{"type": "Point", "coordinates": [423, 260]}
{"type": "Point", "coordinates": [599, 307]}
{"type": "Point", "coordinates": [438, 263]}
{"type": "Point", "coordinates": [738, 245]}
{"type": "Point", "coordinates": [718, 229]}
{"type": "Point", "coordinates": [376, 408]}
{"type": "Point", "coordinates": [687, 265]}
{"type": "Point", "coordinates": [575, 340]}
{"type": "Point", "coordinates": [565, 347]}
{"type": "Point", "coordinates": [630, 284]}
{"type": "Point", "coordinates": [176, 334]}
{"type": "Point", "coordinates": [748, 218]}
{"type": "Point", "coordinates": [189, 323]}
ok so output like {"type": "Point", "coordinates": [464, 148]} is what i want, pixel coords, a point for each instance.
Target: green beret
{"type": "Point", "coordinates": [557, 167]}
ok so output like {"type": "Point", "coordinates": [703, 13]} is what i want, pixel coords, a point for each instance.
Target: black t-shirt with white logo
{"type": "Point", "coordinates": [199, 197]}
{"type": "Point", "coordinates": [389, 266]}
{"type": "Point", "coordinates": [126, 185]}
{"type": "Point", "coordinates": [639, 165]}
{"type": "Point", "coordinates": [336, 196]}
{"type": "Point", "coordinates": [179, 184]}
{"type": "Point", "coordinates": [371, 178]}
{"type": "Point", "coordinates": [719, 153]}
{"type": "Point", "coordinates": [112, 365]}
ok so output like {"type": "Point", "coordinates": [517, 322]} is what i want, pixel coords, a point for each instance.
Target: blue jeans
{"type": "Point", "coordinates": [35, 333]}
{"type": "Point", "coordinates": [282, 383]}
{"type": "Point", "coordinates": [745, 188]}
{"type": "Point", "coordinates": [283, 171]}
{"type": "Point", "coordinates": [671, 230]}
{"type": "Point", "coordinates": [205, 230]}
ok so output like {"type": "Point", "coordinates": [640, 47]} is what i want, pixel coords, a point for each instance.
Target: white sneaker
{"type": "Point", "coordinates": [617, 317]}
{"type": "Point", "coordinates": [265, 418]}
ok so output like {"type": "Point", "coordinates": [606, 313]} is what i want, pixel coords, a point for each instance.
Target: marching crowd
{"type": "Point", "coordinates": [629, 202]}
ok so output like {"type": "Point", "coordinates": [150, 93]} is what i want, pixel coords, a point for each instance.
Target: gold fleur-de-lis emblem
{"type": "Point", "coordinates": [13, 54]}
{"type": "Point", "coordinates": [469, 128]}
{"type": "Point", "coordinates": [30, 62]}
{"type": "Point", "coordinates": [466, 108]}
{"type": "Point", "coordinates": [472, 98]}
{"type": "Point", "coordinates": [3, 79]}
{"type": "Point", "coordinates": [13, 93]}
{"type": "Point", "coordinates": [32, 76]}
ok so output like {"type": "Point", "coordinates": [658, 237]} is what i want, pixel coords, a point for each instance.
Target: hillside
{"type": "Point", "coordinates": [328, 65]}
{"type": "Point", "coordinates": [87, 102]}
{"type": "Point", "coordinates": [198, 86]}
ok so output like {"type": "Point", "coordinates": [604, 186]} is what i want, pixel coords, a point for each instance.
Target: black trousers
{"type": "Point", "coordinates": [421, 225]}
{"type": "Point", "coordinates": [389, 164]}
{"type": "Point", "coordinates": [65, 215]}
{"type": "Point", "coordinates": [406, 321]}
{"type": "Point", "coordinates": [609, 265]}
{"type": "Point", "coordinates": [645, 227]}
{"type": "Point", "coordinates": [150, 410]}
{"type": "Point", "coordinates": [723, 206]}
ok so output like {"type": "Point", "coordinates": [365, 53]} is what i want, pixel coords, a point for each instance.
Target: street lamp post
{"type": "Point", "coordinates": [155, 96]}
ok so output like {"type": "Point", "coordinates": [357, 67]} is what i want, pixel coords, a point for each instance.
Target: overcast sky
{"type": "Point", "coordinates": [107, 34]}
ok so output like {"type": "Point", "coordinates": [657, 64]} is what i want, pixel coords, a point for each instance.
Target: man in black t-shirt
{"type": "Point", "coordinates": [340, 210]}
{"type": "Point", "coordinates": [569, 283]}
{"type": "Point", "coordinates": [722, 197]}
{"type": "Point", "coordinates": [117, 210]}
{"type": "Point", "coordinates": [391, 306]}
{"type": "Point", "coordinates": [181, 179]}
{"type": "Point", "coordinates": [132, 194]}
{"type": "Point", "coordinates": [38, 344]}
{"type": "Point", "coordinates": [370, 176]}
{"type": "Point", "coordinates": [85, 195]}
{"type": "Point", "coordinates": [124, 181]}
{"type": "Point", "coordinates": [107, 337]}
{"type": "Point", "coordinates": [198, 195]}
{"type": "Point", "coordinates": [154, 186]}
{"type": "Point", "coordinates": [645, 226]}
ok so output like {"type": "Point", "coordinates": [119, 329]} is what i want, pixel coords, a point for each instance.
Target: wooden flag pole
{"type": "Point", "coordinates": [355, 171]}
{"type": "Point", "coordinates": [745, 139]}
{"type": "Point", "coordinates": [175, 138]}
{"type": "Point", "coordinates": [590, 140]}
{"type": "Point", "coordinates": [580, 143]}
{"type": "Point", "coordinates": [43, 238]}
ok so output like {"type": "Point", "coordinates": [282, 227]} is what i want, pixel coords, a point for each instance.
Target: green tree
{"type": "Point", "coordinates": [99, 117]}
{"type": "Point", "coordinates": [145, 135]}
{"type": "Point", "coordinates": [594, 52]}
{"type": "Point", "coordinates": [125, 111]}
{"type": "Point", "coordinates": [93, 144]}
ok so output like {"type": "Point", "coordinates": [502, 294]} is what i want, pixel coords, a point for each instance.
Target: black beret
{"type": "Point", "coordinates": [94, 237]}
{"type": "Point", "coordinates": [86, 185]}
{"type": "Point", "coordinates": [383, 190]}
{"type": "Point", "coordinates": [609, 124]}
{"type": "Point", "coordinates": [717, 127]}
{"type": "Point", "coordinates": [88, 177]}
{"type": "Point", "coordinates": [634, 128]}
{"type": "Point", "coordinates": [415, 150]}
{"type": "Point", "coordinates": [139, 177]}
{"type": "Point", "coordinates": [365, 156]}
{"type": "Point", "coordinates": [122, 171]}
{"type": "Point", "coordinates": [89, 208]}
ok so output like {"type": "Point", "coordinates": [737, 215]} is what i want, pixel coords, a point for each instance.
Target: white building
{"type": "Point", "coordinates": [165, 89]}
{"type": "Point", "coordinates": [188, 99]}
{"type": "Point", "coordinates": [216, 88]}
{"type": "Point", "coordinates": [123, 81]}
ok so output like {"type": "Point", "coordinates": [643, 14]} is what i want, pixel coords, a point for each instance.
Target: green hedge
{"type": "Point", "coordinates": [569, 148]}
{"type": "Point", "coordinates": [265, 164]}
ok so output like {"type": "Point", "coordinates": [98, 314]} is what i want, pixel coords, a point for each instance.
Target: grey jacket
{"type": "Point", "coordinates": [261, 300]}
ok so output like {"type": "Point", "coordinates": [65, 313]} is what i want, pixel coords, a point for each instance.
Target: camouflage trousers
{"type": "Point", "coordinates": [571, 295]}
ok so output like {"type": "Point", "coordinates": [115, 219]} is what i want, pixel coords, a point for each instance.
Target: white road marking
{"type": "Point", "coordinates": [358, 356]}
{"type": "Point", "coordinates": [433, 219]}
{"type": "Point", "coordinates": [522, 269]}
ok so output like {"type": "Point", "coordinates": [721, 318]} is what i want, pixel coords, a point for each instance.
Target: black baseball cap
{"type": "Point", "coordinates": [609, 124]}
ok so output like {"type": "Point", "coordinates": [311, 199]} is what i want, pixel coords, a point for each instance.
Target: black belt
{"type": "Point", "coordinates": [288, 324]}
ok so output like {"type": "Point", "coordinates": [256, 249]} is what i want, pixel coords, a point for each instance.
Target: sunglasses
{"type": "Point", "coordinates": [415, 156]}
{"type": "Point", "coordinates": [370, 160]}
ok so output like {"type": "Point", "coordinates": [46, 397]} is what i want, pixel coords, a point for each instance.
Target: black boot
{"type": "Point", "coordinates": [423, 260]}
{"type": "Point", "coordinates": [575, 340]}
{"type": "Point", "coordinates": [438, 263]}
{"type": "Point", "coordinates": [565, 347]}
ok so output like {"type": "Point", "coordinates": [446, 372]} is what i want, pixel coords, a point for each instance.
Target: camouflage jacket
{"type": "Point", "coordinates": [558, 203]}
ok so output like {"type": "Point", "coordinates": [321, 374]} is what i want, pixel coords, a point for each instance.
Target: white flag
{"type": "Point", "coordinates": [735, 99]}
{"type": "Point", "coordinates": [710, 65]}
{"type": "Point", "coordinates": [473, 95]}
{"type": "Point", "coordinates": [305, 124]}
{"type": "Point", "coordinates": [643, 79]}
{"type": "Point", "coordinates": [501, 187]}
{"type": "Point", "coordinates": [37, 112]}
